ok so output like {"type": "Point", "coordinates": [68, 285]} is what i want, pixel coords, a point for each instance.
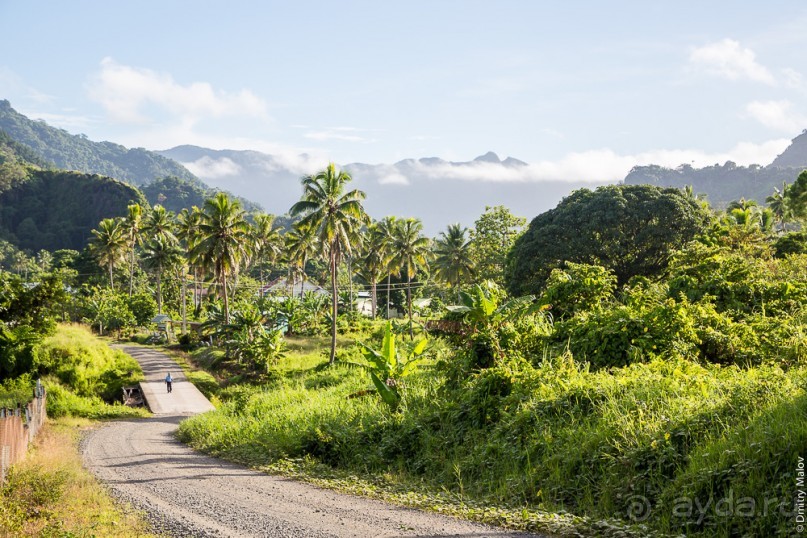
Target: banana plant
{"type": "Point", "coordinates": [387, 367]}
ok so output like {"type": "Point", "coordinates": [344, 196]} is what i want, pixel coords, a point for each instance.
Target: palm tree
{"type": "Point", "coordinates": [742, 204]}
{"type": "Point", "coordinates": [160, 223]}
{"type": "Point", "coordinates": [301, 245]}
{"type": "Point", "coordinates": [188, 234]}
{"type": "Point", "coordinates": [109, 245]}
{"type": "Point", "coordinates": [410, 251]}
{"type": "Point", "coordinates": [386, 228]}
{"type": "Point", "coordinates": [335, 217]}
{"type": "Point", "coordinates": [374, 260]}
{"type": "Point", "coordinates": [132, 223]}
{"type": "Point", "coordinates": [453, 262]}
{"type": "Point", "coordinates": [778, 203]}
{"type": "Point", "coordinates": [267, 241]}
{"type": "Point", "coordinates": [159, 254]}
{"type": "Point", "coordinates": [224, 242]}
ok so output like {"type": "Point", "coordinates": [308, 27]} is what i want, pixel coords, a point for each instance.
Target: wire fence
{"type": "Point", "coordinates": [18, 428]}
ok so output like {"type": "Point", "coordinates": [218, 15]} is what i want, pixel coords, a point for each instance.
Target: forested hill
{"type": "Point", "coordinates": [723, 183]}
{"type": "Point", "coordinates": [76, 152]}
{"type": "Point", "coordinates": [56, 209]}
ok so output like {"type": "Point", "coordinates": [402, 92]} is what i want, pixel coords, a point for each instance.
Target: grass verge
{"type": "Point", "coordinates": [50, 494]}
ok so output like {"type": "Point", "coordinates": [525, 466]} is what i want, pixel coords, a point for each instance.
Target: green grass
{"type": "Point", "coordinates": [516, 443]}
{"type": "Point", "coordinates": [84, 376]}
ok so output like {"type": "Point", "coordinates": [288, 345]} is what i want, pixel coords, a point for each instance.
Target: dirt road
{"type": "Point", "coordinates": [185, 493]}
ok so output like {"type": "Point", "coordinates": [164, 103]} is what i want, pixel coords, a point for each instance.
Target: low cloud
{"type": "Point", "coordinates": [393, 179]}
{"type": "Point", "coordinates": [777, 115]}
{"type": "Point", "coordinates": [596, 166]}
{"type": "Point", "coordinates": [728, 59]}
{"type": "Point", "coordinates": [209, 168]}
{"type": "Point", "coordinates": [125, 92]}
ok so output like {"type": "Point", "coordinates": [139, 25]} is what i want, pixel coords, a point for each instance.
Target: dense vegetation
{"type": "Point", "coordinates": [176, 194]}
{"type": "Point", "coordinates": [56, 210]}
{"type": "Point", "coordinates": [629, 229]}
{"type": "Point", "coordinates": [76, 152]}
{"type": "Point", "coordinates": [651, 352]}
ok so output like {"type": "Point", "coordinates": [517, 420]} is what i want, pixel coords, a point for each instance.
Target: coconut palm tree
{"type": "Point", "coordinates": [778, 204]}
{"type": "Point", "coordinates": [267, 241]}
{"type": "Point", "coordinates": [410, 251]}
{"type": "Point", "coordinates": [374, 260]}
{"type": "Point", "coordinates": [386, 227]}
{"type": "Point", "coordinates": [453, 262]}
{"type": "Point", "coordinates": [159, 254]}
{"type": "Point", "coordinates": [109, 245]}
{"type": "Point", "coordinates": [132, 223]}
{"type": "Point", "coordinates": [223, 242]}
{"type": "Point", "coordinates": [160, 222]}
{"type": "Point", "coordinates": [301, 245]}
{"type": "Point", "coordinates": [187, 233]}
{"type": "Point", "coordinates": [335, 217]}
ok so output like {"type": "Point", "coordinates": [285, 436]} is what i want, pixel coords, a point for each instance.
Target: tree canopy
{"type": "Point", "coordinates": [629, 229]}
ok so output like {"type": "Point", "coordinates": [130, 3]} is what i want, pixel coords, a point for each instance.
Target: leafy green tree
{"type": "Point", "coordinates": [629, 229]}
{"type": "Point", "coordinates": [410, 252]}
{"type": "Point", "coordinates": [492, 237]}
{"type": "Point", "coordinates": [797, 197]}
{"type": "Point", "coordinates": [335, 217]}
{"type": "Point", "coordinates": [578, 288]}
{"type": "Point", "coordinates": [452, 257]}
{"type": "Point", "coordinates": [224, 241]}
{"type": "Point", "coordinates": [109, 245]}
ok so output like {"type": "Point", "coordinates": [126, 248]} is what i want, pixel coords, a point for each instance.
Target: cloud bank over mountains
{"type": "Point", "coordinates": [441, 192]}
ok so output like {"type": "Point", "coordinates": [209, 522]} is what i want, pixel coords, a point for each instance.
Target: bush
{"type": "Point", "coordinates": [85, 365]}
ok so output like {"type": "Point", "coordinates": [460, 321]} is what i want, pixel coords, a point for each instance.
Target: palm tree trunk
{"type": "Point", "coordinates": [389, 277]}
{"type": "Point", "coordinates": [334, 307]}
{"type": "Point", "coordinates": [159, 290]}
{"type": "Point", "coordinates": [131, 271]}
{"type": "Point", "coordinates": [409, 302]}
{"type": "Point", "coordinates": [302, 278]}
{"type": "Point", "coordinates": [226, 298]}
{"type": "Point", "coordinates": [184, 301]}
{"type": "Point", "coordinates": [111, 281]}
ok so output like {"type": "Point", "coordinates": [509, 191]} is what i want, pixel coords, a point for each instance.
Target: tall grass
{"type": "Point", "coordinates": [632, 444]}
{"type": "Point", "coordinates": [84, 376]}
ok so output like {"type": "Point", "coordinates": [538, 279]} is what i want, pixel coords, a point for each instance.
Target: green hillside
{"type": "Point", "coordinates": [56, 209]}
{"type": "Point", "coordinates": [76, 152]}
{"type": "Point", "coordinates": [723, 183]}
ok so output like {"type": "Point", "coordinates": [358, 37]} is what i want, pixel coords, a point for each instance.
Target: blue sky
{"type": "Point", "coordinates": [583, 90]}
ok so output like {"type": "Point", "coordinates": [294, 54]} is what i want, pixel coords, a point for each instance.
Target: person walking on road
{"type": "Point", "coordinates": [168, 381]}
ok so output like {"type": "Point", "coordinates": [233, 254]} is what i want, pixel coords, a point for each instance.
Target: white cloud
{"type": "Point", "coordinates": [394, 179]}
{"type": "Point", "coordinates": [124, 92]}
{"type": "Point", "coordinates": [602, 165]}
{"type": "Point", "coordinates": [728, 59]}
{"type": "Point", "coordinates": [777, 115]}
{"type": "Point", "coordinates": [209, 168]}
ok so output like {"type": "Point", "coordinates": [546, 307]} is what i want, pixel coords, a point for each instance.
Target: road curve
{"type": "Point", "coordinates": [184, 493]}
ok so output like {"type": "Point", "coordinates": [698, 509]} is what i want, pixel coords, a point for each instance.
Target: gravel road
{"type": "Point", "coordinates": [184, 493]}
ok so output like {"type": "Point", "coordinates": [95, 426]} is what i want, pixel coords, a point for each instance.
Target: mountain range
{"type": "Point", "coordinates": [437, 191]}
